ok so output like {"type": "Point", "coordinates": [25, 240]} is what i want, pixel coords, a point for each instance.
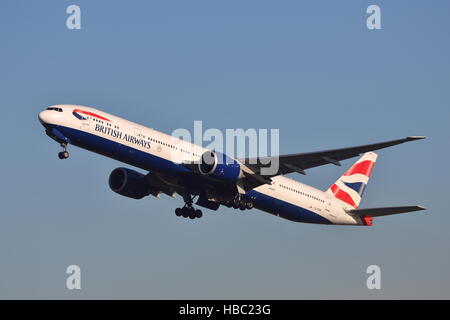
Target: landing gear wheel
{"type": "Point", "coordinates": [241, 202]}
{"type": "Point", "coordinates": [191, 212]}
{"type": "Point", "coordinates": [198, 213]}
{"type": "Point", "coordinates": [178, 212]}
{"type": "Point", "coordinates": [63, 155]}
{"type": "Point", "coordinates": [185, 212]}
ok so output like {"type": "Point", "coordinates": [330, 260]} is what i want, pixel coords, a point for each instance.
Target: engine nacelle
{"type": "Point", "coordinates": [129, 183]}
{"type": "Point", "coordinates": [220, 166]}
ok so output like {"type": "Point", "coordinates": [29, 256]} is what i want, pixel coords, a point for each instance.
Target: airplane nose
{"type": "Point", "coordinates": [44, 116]}
{"type": "Point", "coordinates": [48, 117]}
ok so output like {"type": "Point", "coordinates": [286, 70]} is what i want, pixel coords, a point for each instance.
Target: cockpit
{"type": "Point", "coordinates": [55, 109]}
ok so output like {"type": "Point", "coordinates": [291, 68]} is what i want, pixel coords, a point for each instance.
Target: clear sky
{"type": "Point", "coordinates": [309, 68]}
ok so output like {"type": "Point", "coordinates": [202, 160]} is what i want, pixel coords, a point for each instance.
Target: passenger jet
{"type": "Point", "coordinates": [211, 178]}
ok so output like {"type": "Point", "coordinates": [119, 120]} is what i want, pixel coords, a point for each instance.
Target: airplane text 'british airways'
{"type": "Point", "coordinates": [119, 135]}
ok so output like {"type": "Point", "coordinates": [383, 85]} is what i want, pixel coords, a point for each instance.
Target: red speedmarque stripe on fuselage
{"type": "Point", "coordinates": [91, 114]}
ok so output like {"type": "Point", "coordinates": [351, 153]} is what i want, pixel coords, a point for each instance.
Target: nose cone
{"type": "Point", "coordinates": [45, 117]}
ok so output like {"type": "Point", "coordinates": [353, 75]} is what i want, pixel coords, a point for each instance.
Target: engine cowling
{"type": "Point", "coordinates": [128, 183]}
{"type": "Point", "coordinates": [220, 166]}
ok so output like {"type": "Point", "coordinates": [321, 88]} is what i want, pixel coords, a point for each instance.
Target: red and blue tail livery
{"type": "Point", "coordinates": [170, 166]}
{"type": "Point", "coordinates": [350, 187]}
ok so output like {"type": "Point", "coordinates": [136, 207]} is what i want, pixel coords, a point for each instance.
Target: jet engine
{"type": "Point", "coordinates": [129, 183]}
{"type": "Point", "coordinates": [220, 166]}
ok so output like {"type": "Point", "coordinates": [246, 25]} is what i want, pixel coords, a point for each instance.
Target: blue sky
{"type": "Point", "coordinates": [309, 68]}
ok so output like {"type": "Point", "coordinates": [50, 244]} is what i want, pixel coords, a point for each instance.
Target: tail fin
{"type": "Point", "coordinates": [350, 186]}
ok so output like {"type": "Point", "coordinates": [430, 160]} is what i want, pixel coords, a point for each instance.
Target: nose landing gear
{"type": "Point", "coordinates": [63, 154]}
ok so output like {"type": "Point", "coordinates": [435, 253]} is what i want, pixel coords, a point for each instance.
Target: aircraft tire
{"type": "Point", "coordinates": [185, 212]}
{"type": "Point", "coordinates": [63, 155]}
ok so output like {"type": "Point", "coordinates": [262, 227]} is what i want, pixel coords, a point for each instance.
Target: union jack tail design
{"type": "Point", "coordinates": [350, 186]}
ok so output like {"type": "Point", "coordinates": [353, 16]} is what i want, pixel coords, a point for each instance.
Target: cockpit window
{"type": "Point", "coordinates": [55, 109]}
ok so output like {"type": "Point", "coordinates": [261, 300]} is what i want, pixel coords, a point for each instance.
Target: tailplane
{"type": "Point", "coordinates": [366, 215]}
{"type": "Point", "coordinates": [349, 188]}
{"type": "Point", "coordinates": [385, 211]}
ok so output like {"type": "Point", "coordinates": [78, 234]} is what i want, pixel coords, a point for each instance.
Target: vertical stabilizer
{"type": "Point", "coordinates": [349, 188]}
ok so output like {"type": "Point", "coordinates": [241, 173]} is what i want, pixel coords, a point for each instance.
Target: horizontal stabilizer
{"type": "Point", "coordinates": [379, 212]}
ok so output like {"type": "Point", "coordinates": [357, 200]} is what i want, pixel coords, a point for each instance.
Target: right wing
{"type": "Point", "coordinates": [157, 185]}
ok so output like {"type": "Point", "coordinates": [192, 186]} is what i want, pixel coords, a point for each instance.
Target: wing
{"type": "Point", "coordinates": [299, 162]}
{"type": "Point", "coordinates": [158, 185]}
{"type": "Point", "coordinates": [379, 212]}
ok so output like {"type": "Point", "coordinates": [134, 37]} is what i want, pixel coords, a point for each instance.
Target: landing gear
{"type": "Point", "coordinates": [63, 154]}
{"type": "Point", "coordinates": [188, 210]}
{"type": "Point", "coordinates": [240, 202]}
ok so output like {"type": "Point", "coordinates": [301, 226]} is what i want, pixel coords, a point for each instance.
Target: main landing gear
{"type": "Point", "coordinates": [188, 211]}
{"type": "Point", "coordinates": [63, 154]}
{"type": "Point", "coordinates": [240, 202]}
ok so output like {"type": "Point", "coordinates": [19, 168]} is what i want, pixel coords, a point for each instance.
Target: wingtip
{"type": "Point", "coordinates": [411, 138]}
{"type": "Point", "coordinates": [421, 208]}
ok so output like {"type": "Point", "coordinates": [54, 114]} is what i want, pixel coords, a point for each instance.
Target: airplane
{"type": "Point", "coordinates": [175, 166]}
